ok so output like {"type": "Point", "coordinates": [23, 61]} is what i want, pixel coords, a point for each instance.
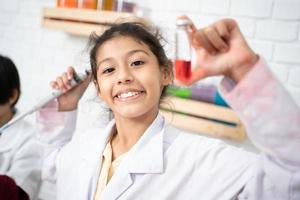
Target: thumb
{"type": "Point", "coordinates": [191, 27]}
{"type": "Point", "coordinates": [197, 75]}
{"type": "Point", "coordinates": [83, 85]}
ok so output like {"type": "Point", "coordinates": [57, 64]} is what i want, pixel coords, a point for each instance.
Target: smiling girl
{"type": "Point", "coordinates": [140, 156]}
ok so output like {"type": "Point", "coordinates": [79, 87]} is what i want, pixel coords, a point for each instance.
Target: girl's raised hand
{"type": "Point", "coordinates": [221, 49]}
{"type": "Point", "coordinates": [69, 100]}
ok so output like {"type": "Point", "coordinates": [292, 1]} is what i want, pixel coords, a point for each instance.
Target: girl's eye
{"type": "Point", "coordinates": [137, 63]}
{"type": "Point", "coordinates": [108, 70]}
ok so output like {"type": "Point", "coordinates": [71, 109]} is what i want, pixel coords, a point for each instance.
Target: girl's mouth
{"type": "Point", "coordinates": [129, 95]}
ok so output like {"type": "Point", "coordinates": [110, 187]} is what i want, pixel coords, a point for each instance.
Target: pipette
{"type": "Point", "coordinates": [77, 79]}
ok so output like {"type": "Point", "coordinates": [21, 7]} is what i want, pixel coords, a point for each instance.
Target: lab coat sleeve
{"type": "Point", "coordinates": [55, 131]}
{"type": "Point", "coordinates": [26, 168]}
{"type": "Point", "coordinates": [272, 121]}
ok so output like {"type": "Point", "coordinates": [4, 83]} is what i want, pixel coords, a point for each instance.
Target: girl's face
{"type": "Point", "coordinates": [6, 113]}
{"type": "Point", "coordinates": [129, 76]}
{"type": "Point", "coordinates": [4, 109]}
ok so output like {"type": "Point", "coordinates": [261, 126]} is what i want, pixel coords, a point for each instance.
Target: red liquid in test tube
{"type": "Point", "coordinates": [183, 70]}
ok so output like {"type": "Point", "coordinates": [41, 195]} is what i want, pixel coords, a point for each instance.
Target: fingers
{"type": "Point", "coordinates": [201, 40]}
{"type": "Point", "coordinates": [197, 74]}
{"type": "Point", "coordinates": [191, 27]}
{"type": "Point", "coordinates": [211, 40]}
{"type": "Point", "coordinates": [222, 30]}
{"type": "Point", "coordinates": [63, 82]}
{"type": "Point", "coordinates": [215, 38]}
{"type": "Point", "coordinates": [54, 85]}
{"type": "Point", "coordinates": [70, 72]}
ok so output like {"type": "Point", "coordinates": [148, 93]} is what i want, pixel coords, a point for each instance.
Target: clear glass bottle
{"type": "Point", "coordinates": [183, 50]}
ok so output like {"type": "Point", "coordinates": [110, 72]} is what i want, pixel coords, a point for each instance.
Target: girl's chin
{"type": "Point", "coordinates": [131, 114]}
{"type": "Point", "coordinates": [134, 112]}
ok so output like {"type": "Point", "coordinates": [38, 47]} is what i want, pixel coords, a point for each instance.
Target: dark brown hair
{"type": "Point", "coordinates": [9, 80]}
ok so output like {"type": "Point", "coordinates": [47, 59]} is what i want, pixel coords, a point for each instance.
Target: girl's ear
{"type": "Point", "coordinates": [14, 97]}
{"type": "Point", "coordinates": [167, 74]}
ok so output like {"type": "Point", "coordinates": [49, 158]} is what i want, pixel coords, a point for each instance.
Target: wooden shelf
{"type": "Point", "coordinates": [203, 118]}
{"type": "Point", "coordinates": [84, 21]}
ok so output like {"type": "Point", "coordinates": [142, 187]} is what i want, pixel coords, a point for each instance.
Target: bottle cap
{"type": "Point", "coordinates": [183, 22]}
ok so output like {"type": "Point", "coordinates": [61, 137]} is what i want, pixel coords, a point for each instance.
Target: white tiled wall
{"type": "Point", "coordinates": [272, 28]}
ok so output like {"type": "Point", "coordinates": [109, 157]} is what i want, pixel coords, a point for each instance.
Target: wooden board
{"type": "Point", "coordinates": [76, 28]}
{"type": "Point", "coordinates": [203, 118]}
{"type": "Point", "coordinates": [86, 15]}
{"type": "Point", "coordinates": [84, 21]}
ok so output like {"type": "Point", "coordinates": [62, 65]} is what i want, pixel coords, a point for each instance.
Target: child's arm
{"type": "Point", "coordinates": [271, 116]}
{"type": "Point", "coordinates": [57, 121]}
{"type": "Point", "coordinates": [272, 120]}
{"type": "Point", "coordinates": [55, 131]}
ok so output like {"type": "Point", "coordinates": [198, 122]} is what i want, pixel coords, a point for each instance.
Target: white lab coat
{"type": "Point", "coordinates": [167, 163]}
{"type": "Point", "coordinates": [20, 157]}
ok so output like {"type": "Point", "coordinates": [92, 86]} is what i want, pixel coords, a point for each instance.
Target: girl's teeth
{"type": "Point", "coordinates": [128, 94]}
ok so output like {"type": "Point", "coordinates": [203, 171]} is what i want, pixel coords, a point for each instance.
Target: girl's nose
{"type": "Point", "coordinates": [124, 75]}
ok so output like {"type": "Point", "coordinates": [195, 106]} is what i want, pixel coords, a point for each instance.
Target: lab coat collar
{"type": "Point", "coordinates": [92, 145]}
{"type": "Point", "coordinates": [95, 142]}
{"type": "Point", "coordinates": [146, 156]}
{"type": "Point", "coordinates": [148, 149]}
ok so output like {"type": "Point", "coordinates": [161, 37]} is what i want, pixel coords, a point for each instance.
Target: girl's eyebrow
{"type": "Point", "coordinates": [137, 51]}
{"type": "Point", "coordinates": [127, 55]}
{"type": "Point", "coordinates": [104, 60]}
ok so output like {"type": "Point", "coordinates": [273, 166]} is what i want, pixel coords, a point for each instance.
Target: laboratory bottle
{"type": "Point", "coordinates": [183, 50]}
